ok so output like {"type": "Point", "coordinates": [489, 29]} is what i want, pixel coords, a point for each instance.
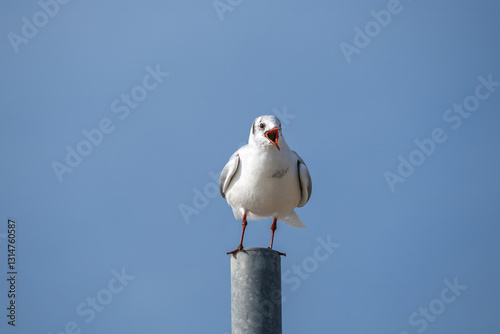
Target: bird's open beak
{"type": "Point", "coordinates": [273, 136]}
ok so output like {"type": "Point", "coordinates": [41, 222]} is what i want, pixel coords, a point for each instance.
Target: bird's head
{"type": "Point", "coordinates": [266, 132]}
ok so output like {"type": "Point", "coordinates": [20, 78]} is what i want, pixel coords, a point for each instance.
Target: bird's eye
{"type": "Point", "coordinates": [262, 125]}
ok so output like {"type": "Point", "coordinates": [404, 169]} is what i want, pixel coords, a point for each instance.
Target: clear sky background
{"type": "Point", "coordinates": [352, 104]}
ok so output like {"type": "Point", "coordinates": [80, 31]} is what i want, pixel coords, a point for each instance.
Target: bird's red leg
{"type": "Point", "coordinates": [273, 228]}
{"type": "Point", "coordinates": [244, 224]}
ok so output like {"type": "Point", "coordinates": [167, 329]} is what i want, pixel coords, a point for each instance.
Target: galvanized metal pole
{"type": "Point", "coordinates": [256, 291]}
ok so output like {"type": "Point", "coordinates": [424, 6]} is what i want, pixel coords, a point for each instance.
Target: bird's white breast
{"type": "Point", "coordinates": [266, 183]}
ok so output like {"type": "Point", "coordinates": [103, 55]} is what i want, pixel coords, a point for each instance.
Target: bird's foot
{"type": "Point", "coordinates": [280, 253]}
{"type": "Point", "coordinates": [240, 247]}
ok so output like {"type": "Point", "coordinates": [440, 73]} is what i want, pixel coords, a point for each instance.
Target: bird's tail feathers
{"type": "Point", "coordinates": [293, 220]}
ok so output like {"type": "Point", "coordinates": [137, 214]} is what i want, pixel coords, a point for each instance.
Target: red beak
{"type": "Point", "coordinates": [273, 136]}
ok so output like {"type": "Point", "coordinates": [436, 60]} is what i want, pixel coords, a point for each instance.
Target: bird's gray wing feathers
{"type": "Point", "coordinates": [304, 181]}
{"type": "Point", "coordinates": [228, 172]}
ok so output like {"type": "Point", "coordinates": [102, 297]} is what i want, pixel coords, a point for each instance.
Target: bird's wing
{"type": "Point", "coordinates": [228, 172]}
{"type": "Point", "coordinates": [304, 181]}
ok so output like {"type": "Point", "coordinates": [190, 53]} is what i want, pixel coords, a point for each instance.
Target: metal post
{"type": "Point", "coordinates": [256, 291]}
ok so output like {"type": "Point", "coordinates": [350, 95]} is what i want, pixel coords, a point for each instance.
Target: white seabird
{"type": "Point", "coordinates": [265, 178]}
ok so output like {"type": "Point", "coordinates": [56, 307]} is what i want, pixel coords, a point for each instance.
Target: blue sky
{"type": "Point", "coordinates": [394, 106]}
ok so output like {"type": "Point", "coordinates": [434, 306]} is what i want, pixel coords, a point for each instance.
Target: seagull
{"type": "Point", "coordinates": [265, 178]}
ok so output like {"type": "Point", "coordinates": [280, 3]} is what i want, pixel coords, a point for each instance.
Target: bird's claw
{"type": "Point", "coordinates": [280, 253]}
{"type": "Point", "coordinates": [240, 247]}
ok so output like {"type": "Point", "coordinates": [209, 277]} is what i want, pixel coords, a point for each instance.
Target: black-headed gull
{"type": "Point", "coordinates": [265, 178]}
